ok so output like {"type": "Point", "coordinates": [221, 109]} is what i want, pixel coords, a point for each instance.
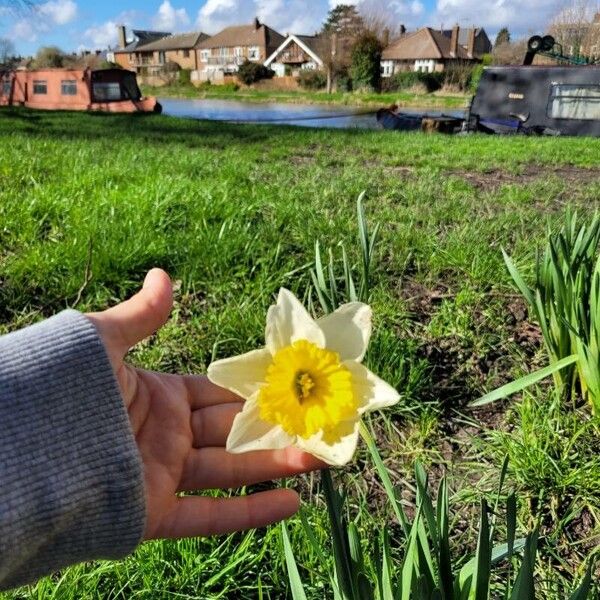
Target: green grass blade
{"type": "Point", "coordinates": [483, 556]}
{"type": "Point", "coordinates": [385, 478]}
{"type": "Point", "coordinates": [583, 591]}
{"type": "Point", "coordinates": [445, 560]}
{"type": "Point", "coordinates": [524, 585]}
{"type": "Point", "coordinates": [523, 382]}
{"type": "Point", "coordinates": [339, 533]}
{"type": "Point", "coordinates": [296, 586]}
{"type": "Point", "coordinates": [520, 283]}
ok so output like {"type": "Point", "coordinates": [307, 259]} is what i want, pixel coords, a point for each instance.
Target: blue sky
{"type": "Point", "coordinates": [74, 24]}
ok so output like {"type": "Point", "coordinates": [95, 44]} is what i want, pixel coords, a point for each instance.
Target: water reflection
{"type": "Point", "coordinates": [304, 115]}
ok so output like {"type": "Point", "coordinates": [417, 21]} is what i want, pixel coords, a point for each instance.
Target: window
{"type": "Point", "coordinates": [204, 54]}
{"type": "Point", "coordinates": [238, 51]}
{"type": "Point", "coordinates": [40, 86]}
{"type": "Point", "coordinates": [68, 87]}
{"type": "Point", "coordinates": [161, 58]}
{"type": "Point", "coordinates": [569, 101]}
{"type": "Point", "coordinates": [104, 92]}
{"type": "Point", "coordinates": [254, 53]}
{"type": "Point", "coordinates": [223, 51]}
{"type": "Point", "coordinates": [186, 54]}
{"type": "Point", "coordinates": [6, 87]}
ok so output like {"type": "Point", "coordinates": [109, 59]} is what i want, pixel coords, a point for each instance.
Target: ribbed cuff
{"type": "Point", "coordinates": [71, 480]}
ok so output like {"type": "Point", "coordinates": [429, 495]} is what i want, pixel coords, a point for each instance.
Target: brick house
{"type": "Point", "coordinates": [223, 53]}
{"type": "Point", "coordinates": [297, 52]}
{"type": "Point", "coordinates": [432, 50]}
{"type": "Point", "coordinates": [151, 52]}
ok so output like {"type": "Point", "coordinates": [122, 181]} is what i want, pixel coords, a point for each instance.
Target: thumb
{"type": "Point", "coordinates": [132, 321]}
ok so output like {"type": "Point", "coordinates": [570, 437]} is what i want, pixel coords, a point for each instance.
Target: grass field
{"type": "Point", "coordinates": [88, 203]}
{"type": "Point", "coordinates": [404, 98]}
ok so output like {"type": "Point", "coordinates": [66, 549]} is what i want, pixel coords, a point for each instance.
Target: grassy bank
{"type": "Point", "coordinates": [422, 100]}
{"type": "Point", "coordinates": [232, 213]}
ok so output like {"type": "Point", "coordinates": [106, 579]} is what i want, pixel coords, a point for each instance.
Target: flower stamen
{"type": "Point", "coordinates": [303, 384]}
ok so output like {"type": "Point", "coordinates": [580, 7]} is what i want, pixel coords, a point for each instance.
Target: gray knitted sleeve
{"type": "Point", "coordinates": [71, 483]}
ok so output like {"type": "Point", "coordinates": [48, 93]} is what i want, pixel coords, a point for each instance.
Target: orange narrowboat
{"type": "Point", "coordinates": [109, 90]}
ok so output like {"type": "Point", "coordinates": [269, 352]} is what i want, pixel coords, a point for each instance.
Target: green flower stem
{"type": "Point", "coordinates": [341, 546]}
{"type": "Point", "coordinates": [385, 478]}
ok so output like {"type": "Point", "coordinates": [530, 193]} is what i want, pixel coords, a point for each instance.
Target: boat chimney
{"type": "Point", "coordinates": [256, 23]}
{"type": "Point", "coordinates": [454, 42]}
{"type": "Point", "coordinates": [471, 43]}
{"type": "Point", "coordinates": [122, 36]}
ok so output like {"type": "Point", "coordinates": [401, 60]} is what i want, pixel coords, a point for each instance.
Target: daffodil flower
{"type": "Point", "coordinates": [307, 387]}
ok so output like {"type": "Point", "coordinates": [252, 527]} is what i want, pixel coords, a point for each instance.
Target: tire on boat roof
{"type": "Point", "coordinates": [535, 43]}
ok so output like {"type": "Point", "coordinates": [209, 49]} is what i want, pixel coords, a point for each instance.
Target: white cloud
{"type": "Point", "coordinates": [59, 12]}
{"type": "Point", "coordinates": [105, 35]}
{"type": "Point", "coordinates": [101, 36]}
{"type": "Point", "coordinates": [291, 16]}
{"type": "Point", "coordinates": [519, 17]}
{"type": "Point", "coordinates": [169, 18]}
{"type": "Point", "coordinates": [23, 30]}
{"type": "Point", "coordinates": [217, 14]}
{"type": "Point", "coordinates": [45, 17]}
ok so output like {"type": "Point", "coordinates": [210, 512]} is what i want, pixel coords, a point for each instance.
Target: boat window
{"type": "Point", "coordinates": [40, 86]}
{"type": "Point", "coordinates": [574, 102]}
{"type": "Point", "coordinates": [68, 87]}
{"type": "Point", "coordinates": [104, 92]}
{"type": "Point", "coordinates": [131, 91]}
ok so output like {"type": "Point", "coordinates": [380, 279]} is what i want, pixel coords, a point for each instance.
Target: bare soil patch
{"type": "Point", "coordinates": [493, 179]}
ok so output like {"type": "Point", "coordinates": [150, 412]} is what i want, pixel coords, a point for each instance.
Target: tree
{"type": "Point", "coordinates": [250, 72]}
{"type": "Point", "coordinates": [345, 21]}
{"type": "Point", "coordinates": [511, 53]}
{"type": "Point", "coordinates": [366, 62]}
{"type": "Point", "coordinates": [503, 37]}
{"type": "Point", "coordinates": [7, 51]}
{"type": "Point", "coordinates": [573, 27]}
{"type": "Point", "coordinates": [49, 57]}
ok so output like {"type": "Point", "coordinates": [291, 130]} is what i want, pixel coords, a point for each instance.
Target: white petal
{"type": "Point", "coordinates": [337, 452]}
{"type": "Point", "coordinates": [249, 432]}
{"type": "Point", "coordinates": [347, 330]}
{"type": "Point", "coordinates": [288, 321]}
{"type": "Point", "coordinates": [372, 392]}
{"type": "Point", "coordinates": [241, 374]}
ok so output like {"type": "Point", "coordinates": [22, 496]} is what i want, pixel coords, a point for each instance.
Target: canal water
{"type": "Point", "coordinates": [306, 115]}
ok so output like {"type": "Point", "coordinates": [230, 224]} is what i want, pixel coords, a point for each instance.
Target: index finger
{"type": "Point", "coordinates": [203, 393]}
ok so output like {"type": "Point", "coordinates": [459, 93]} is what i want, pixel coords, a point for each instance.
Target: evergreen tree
{"type": "Point", "coordinates": [344, 20]}
{"type": "Point", "coordinates": [503, 37]}
{"type": "Point", "coordinates": [366, 61]}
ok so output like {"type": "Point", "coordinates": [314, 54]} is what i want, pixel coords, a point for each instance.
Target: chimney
{"type": "Point", "coordinates": [385, 38]}
{"type": "Point", "coordinates": [122, 36]}
{"type": "Point", "coordinates": [402, 30]}
{"type": "Point", "coordinates": [454, 42]}
{"type": "Point", "coordinates": [256, 23]}
{"type": "Point", "coordinates": [471, 43]}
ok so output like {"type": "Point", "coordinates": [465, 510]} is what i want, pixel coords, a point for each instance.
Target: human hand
{"type": "Point", "coordinates": [181, 423]}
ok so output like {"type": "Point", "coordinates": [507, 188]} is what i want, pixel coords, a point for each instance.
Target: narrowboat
{"type": "Point", "coordinates": [526, 99]}
{"type": "Point", "coordinates": [108, 90]}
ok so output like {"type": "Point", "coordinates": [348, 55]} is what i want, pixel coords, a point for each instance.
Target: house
{"type": "Point", "coordinates": [474, 40]}
{"type": "Point", "coordinates": [297, 52]}
{"type": "Point", "coordinates": [430, 50]}
{"type": "Point", "coordinates": [125, 54]}
{"type": "Point", "coordinates": [153, 52]}
{"type": "Point", "coordinates": [223, 53]}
